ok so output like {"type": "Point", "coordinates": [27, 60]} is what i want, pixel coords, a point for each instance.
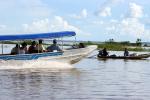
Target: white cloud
{"type": "Point", "coordinates": [104, 12]}
{"type": "Point", "coordinates": [136, 11]}
{"type": "Point", "coordinates": [37, 26]}
{"type": "Point", "coordinates": [129, 26]}
{"type": "Point", "coordinates": [60, 24]}
{"type": "Point", "coordinates": [83, 14]}
{"type": "Point", "coordinates": [132, 26]}
{"type": "Point", "coordinates": [24, 8]}
{"type": "Point", "coordinates": [55, 24]}
{"type": "Point", "coordinates": [46, 25]}
{"type": "Point", "coordinates": [105, 8]}
{"type": "Point", "coordinates": [2, 27]}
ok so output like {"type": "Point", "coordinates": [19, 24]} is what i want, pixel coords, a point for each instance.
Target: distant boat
{"type": "Point", "coordinates": [34, 56]}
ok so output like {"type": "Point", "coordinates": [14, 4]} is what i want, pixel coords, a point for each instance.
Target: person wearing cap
{"type": "Point", "coordinates": [54, 47]}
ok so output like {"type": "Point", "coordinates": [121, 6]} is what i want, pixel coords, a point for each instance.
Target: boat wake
{"type": "Point", "coordinates": [34, 64]}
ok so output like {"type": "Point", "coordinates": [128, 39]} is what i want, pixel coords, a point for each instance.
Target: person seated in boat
{"type": "Point", "coordinates": [39, 47]}
{"type": "Point", "coordinates": [104, 52]}
{"type": "Point", "coordinates": [54, 47]}
{"type": "Point", "coordinates": [81, 45]}
{"type": "Point", "coordinates": [23, 48]}
{"type": "Point", "coordinates": [32, 48]}
{"type": "Point", "coordinates": [126, 52]}
{"type": "Point", "coordinates": [100, 53]}
{"type": "Point", "coordinates": [15, 50]}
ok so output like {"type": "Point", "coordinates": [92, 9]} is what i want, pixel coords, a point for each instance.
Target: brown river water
{"type": "Point", "coordinates": [88, 79]}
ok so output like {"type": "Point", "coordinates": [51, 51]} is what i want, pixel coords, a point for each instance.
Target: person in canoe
{"type": "Point", "coordinates": [103, 52]}
{"type": "Point", "coordinates": [126, 52]}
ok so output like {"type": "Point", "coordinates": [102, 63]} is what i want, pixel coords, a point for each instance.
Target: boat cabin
{"type": "Point", "coordinates": [22, 37]}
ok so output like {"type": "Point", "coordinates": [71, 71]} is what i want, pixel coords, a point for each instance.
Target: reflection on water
{"type": "Point", "coordinates": [91, 79]}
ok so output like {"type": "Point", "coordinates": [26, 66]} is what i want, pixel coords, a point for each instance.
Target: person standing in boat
{"type": "Point", "coordinates": [54, 47]}
{"type": "Point", "coordinates": [126, 52]}
{"type": "Point", "coordinates": [15, 50]}
{"type": "Point", "coordinates": [32, 48]}
{"type": "Point", "coordinates": [39, 47]}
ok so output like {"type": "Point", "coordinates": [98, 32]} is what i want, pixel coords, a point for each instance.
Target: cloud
{"type": "Point", "coordinates": [132, 26]}
{"type": "Point", "coordinates": [50, 25]}
{"type": "Point", "coordinates": [105, 8]}
{"type": "Point", "coordinates": [104, 12]}
{"type": "Point", "coordinates": [24, 8]}
{"type": "Point", "coordinates": [136, 11]}
{"type": "Point", "coordinates": [46, 25]}
{"type": "Point", "coordinates": [2, 27]}
{"type": "Point", "coordinates": [60, 24]}
{"type": "Point", "coordinates": [55, 24]}
{"type": "Point", "coordinates": [37, 26]}
{"type": "Point", "coordinates": [83, 14]}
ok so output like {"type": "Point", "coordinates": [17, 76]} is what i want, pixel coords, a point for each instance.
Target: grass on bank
{"type": "Point", "coordinates": [114, 46]}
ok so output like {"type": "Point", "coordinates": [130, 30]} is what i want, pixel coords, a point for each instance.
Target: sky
{"type": "Point", "coordinates": [92, 20]}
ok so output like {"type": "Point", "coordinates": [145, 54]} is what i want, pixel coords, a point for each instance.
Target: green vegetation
{"type": "Point", "coordinates": [118, 46]}
{"type": "Point", "coordinates": [8, 42]}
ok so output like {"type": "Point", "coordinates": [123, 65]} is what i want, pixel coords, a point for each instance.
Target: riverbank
{"type": "Point", "coordinates": [119, 46]}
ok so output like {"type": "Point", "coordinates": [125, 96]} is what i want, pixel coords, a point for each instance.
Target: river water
{"type": "Point", "coordinates": [89, 79]}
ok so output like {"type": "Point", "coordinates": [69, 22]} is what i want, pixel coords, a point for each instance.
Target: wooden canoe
{"type": "Point", "coordinates": [143, 56]}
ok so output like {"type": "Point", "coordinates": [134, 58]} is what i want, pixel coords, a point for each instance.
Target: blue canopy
{"type": "Point", "coordinates": [38, 36]}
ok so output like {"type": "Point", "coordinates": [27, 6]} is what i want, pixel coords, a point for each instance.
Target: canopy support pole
{"type": "Point", "coordinates": [62, 43]}
{"type": "Point", "coordinates": [38, 47]}
{"type": "Point", "coordinates": [19, 43]}
{"type": "Point", "coordinates": [75, 40]}
{"type": "Point", "coordinates": [2, 47]}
